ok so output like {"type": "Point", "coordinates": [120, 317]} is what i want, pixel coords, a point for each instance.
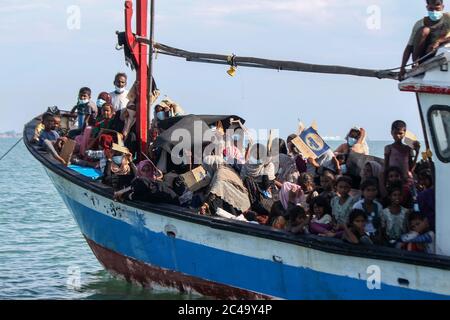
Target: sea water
{"type": "Point", "coordinates": [43, 254]}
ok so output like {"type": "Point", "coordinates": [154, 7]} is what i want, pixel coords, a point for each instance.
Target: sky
{"type": "Point", "coordinates": [51, 48]}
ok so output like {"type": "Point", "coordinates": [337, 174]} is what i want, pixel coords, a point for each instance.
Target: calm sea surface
{"type": "Point", "coordinates": [42, 250]}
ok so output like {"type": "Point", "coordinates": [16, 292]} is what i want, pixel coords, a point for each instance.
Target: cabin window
{"type": "Point", "coordinates": [440, 126]}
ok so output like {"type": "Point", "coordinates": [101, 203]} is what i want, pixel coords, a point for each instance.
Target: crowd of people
{"type": "Point", "coordinates": [386, 202]}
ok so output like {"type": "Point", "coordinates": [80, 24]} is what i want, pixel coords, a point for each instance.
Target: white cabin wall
{"type": "Point", "coordinates": [442, 177]}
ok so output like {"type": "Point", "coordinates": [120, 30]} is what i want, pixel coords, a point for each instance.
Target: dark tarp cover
{"type": "Point", "coordinates": [208, 119]}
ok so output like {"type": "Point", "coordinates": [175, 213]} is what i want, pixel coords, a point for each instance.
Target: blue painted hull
{"type": "Point", "coordinates": [265, 277]}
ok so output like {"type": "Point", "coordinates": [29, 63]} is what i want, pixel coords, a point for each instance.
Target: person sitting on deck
{"type": "Point", "coordinates": [50, 139]}
{"type": "Point", "coordinates": [322, 221]}
{"type": "Point", "coordinates": [291, 196]}
{"type": "Point", "coordinates": [49, 132]}
{"type": "Point", "coordinates": [372, 208]}
{"type": "Point", "coordinates": [426, 198]}
{"type": "Point", "coordinates": [394, 176]}
{"type": "Point", "coordinates": [226, 189]}
{"type": "Point", "coordinates": [86, 110]}
{"type": "Point", "coordinates": [399, 154]}
{"type": "Point", "coordinates": [394, 218]}
{"type": "Point", "coordinates": [427, 34]}
{"type": "Point", "coordinates": [342, 203]}
{"type": "Point", "coordinates": [171, 108]}
{"type": "Point", "coordinates": [287, 167]}
{"type": "Point", "coordinates": [299, 221]}
{"type": "Point", "coordinates": [293, 152]}
{"type": "Point", "coordinates": [306, 182]}
{"type": "Point", "coordinates": [355, 231]}
{"type": "Point", "coordinates": [373, 170]}
{"type": "Point", "coordinates": [355, 141]}
{"type": "Point", "coordinates": [119, 97]}
{"type": "Point", "coordinates": [420, 237]}
{"type": "Point", "coordinates": [119, 170]}
{"type": "Point", "coordinates": [327, 185]}
{"type": "Point", "coordinates": [258, 174]}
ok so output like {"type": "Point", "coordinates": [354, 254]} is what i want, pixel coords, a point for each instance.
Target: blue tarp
{"type": "Point", "coordinates": [87, 171]}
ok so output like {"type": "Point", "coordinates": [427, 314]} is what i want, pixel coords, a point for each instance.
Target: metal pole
{"type": "Point", "coordinates": [142, 74]}
{"type": "Point", "coordinates": [150, 60]}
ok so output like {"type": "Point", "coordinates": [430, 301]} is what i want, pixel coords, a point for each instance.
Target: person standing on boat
{"type": "Point", "coordinates": [427, 34]}
{"type": "Point", "coordinates": [86, 110]}
{"type": "Point", "coordinates": [119, 97]}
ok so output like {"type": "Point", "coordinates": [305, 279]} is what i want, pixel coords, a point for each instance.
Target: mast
{"type": "Point", "coordinates": [150, 61]}
{"type": "Point", "coordinates": [139, 52]}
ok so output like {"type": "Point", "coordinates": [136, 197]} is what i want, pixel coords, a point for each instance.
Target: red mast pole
{"type": "Point", "coordinates": [140, 54]}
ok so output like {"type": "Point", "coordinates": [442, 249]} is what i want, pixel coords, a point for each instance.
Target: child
{"type": "Point", "coordinates": [306, 182]}
{"type": "Point", "coordinates": [371, 208]}
{"type": "Point", "coordinates": [279, 223]}
{"type": "Point", "coordinates": [355, 232]}
{"type": "Point", "coordinates": [394, 176]}
{"type": "Point", "coordinates": [321, 223]}
{"type": "Point", "coordinates": [107, 121]}
{"type": "Point", "coordinates": [103, 98]}
{"type": "Point", "coordinates": [394, 217]}
{"type": "Point", "coordinates": [420, 237]}
{"type": "Point", "coordinates": [86, 109]}
{"type": "Point", "coordinates": [399, 154]}
{"type": "Point", "coordinates": [426, 198]}
{"type": "Point", "coordinates": [298, 221]}
{"type": "Point", "coordinates": [327, 183]}
{"type": "Point", "coordinates": [342, 203]}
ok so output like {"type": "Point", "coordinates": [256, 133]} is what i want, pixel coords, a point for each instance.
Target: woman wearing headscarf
{"type": "Point", "coordinates": [373, 169]}
{"type": "Point", "coordinates": [291, 195]}
{"type": "Point", "coordinates": [146, 169]}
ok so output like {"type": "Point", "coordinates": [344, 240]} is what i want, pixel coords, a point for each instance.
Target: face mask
{"type": "Point", "coordinates": [81, 101]}
{"type": "Point", "coordinates": [100, 103]}
{"type": "Point", "coordinates": [117, 160]}
{"type": "Point", "coordinates": [120, 90]}
{"type": "Point", "coordinates": [161, 115]}
{"type": "Point", "coordinates": [351, 141]}
{"type": "Point", "coordinates": [435, 15]}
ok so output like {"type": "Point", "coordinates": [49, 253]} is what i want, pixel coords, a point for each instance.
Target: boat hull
{"type": "Point", "coordinates": [161, 251]}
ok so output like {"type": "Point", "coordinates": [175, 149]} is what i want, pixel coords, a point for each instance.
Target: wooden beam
{"type": "Point", "coordinates": [270, 64]}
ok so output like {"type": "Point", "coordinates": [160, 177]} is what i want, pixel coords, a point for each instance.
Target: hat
{"type": "Point", "coordinates": [118, 148]}
{"type": "Point", "coordinates": [166, 103]}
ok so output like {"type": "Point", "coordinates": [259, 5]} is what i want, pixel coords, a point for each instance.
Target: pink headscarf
{"type": "Point", "coordinates": [151, 174]}
{"type": "Point", "coordinates": [285, 191]}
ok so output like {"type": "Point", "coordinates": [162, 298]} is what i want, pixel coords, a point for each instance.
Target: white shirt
{"type": "Point", "coordinates": [119, 100]}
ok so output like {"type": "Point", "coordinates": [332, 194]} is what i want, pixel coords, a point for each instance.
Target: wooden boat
{"type": "Point", "coordinates": [167, 246]}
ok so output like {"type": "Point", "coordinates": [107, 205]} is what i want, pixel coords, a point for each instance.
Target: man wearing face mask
{"type": "Point", "coordinates": [428, 34]}
{"type": "Point", "coordinates": [119, 95]}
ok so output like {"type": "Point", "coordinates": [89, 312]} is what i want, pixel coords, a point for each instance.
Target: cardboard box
{"type": "Point", "coordinates": [67, 150]}
{"type": "Point", "coordinates": [196, 179]}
